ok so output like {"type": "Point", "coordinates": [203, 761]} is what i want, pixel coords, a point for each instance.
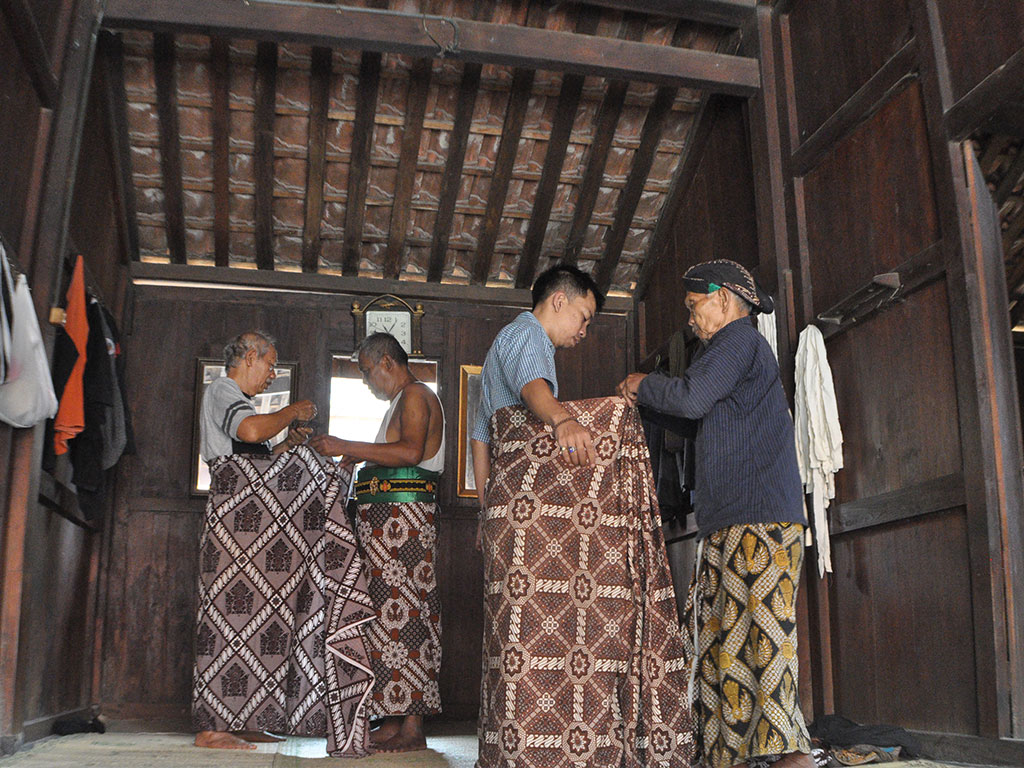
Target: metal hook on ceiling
{"type": "Point", "coordinates": [443, 49]}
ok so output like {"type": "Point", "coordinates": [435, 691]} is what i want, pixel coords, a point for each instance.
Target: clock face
{"type": "Point", "coordinates": [397, 323]}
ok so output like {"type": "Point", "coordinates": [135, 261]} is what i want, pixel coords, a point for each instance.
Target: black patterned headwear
{"type": "Point", "coordinates": [709, 276]}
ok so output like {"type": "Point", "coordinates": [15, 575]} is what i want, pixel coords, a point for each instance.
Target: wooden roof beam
{"type": "Point", "coordinates": [730, 13]}
{"type": "Point", "coordinates": [483, 42]}
{"type": "Point", "coordinates": [597, 156]}
{"type": "Point", "coordinates": [220, 81]}
{"type": "Point", "coordinates": [170, 147]}
{"type": "Point", "coordinates": [359, 163]}
{"type": "Point", "coordinates": [319, 98]}
{"type": "Point", "coordinates": [554, 159]}
{"type": "Point", "coordinates": [416, 108]}
{"type": "Point", "coordinates": [263, 152]}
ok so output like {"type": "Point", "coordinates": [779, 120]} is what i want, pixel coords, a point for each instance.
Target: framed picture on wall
{"type": "Point", "coordinates": [469, 402]}
{"type": "Point", "coordinates": [279, 394]}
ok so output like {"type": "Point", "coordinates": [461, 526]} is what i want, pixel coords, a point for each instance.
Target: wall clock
{"type": "Point", "coordinates": [390, 314]}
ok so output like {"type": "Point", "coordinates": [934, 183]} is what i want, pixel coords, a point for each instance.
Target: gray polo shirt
{"type": "Point", "coordinates": [224, 407]}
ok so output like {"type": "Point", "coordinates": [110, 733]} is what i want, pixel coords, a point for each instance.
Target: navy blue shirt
{"type": "Point", "coordinates": [746, 456]}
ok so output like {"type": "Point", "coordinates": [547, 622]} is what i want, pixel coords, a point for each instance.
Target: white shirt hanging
{"type": "Point", "coordinates": [766, 325]}
{"type": "Point", "coordinates": [27, 397]}
{"type": "Point", "coordinates": [819, 438]}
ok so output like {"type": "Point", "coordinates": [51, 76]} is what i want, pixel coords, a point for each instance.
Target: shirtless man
{"type": "Point", "coordinates": [396, 495]}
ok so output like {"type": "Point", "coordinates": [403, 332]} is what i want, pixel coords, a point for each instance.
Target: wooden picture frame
{"type": "Point", "coordinates": [280, 393]}
{"type": "Point", "coordinates": [469, 402]}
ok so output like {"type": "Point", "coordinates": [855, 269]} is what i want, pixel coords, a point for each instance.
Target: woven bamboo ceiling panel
{"type": "Point", "coordinates": [384, 165]}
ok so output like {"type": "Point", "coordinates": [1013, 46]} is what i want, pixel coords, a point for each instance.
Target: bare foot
{"type": "Point", "coordinates": [402, 743]}
{"type": "Point", "coordinates": [221, 740]}
{"type": "Point", "coordinates": [796, 760]}
{"type": "Point", "coordinates": [388, 729]}
{"type": "Point", "coordinates": [261, 737]}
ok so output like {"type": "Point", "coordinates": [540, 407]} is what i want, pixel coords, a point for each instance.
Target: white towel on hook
{"type": "Point", "coordinates": [766, 325]}
{"type": "Point", "coordinates": [819, 438]}
{"type": "Point", "coordinates": [27, 397]}
{"type": "Point", "coordinates": [6, 316]}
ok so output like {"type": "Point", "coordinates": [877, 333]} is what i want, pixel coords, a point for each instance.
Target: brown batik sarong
{"type": "Point", "coordinates": [583, 655]}
{"type": "Point", "coordinates": [746, 682]}
{"type": "Point", "coordinates": [405, 640]}
{"type": "Point", "coordinates": [282, 603]}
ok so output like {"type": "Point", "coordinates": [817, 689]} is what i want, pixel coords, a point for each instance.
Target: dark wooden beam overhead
{"type": "Point", "coordinates": [731, 13]}
{"type": "Point", "coordinates": [319, 98]}
{"type": "Point", "coordinates": [987, 98]}
{"type": "Point", "coordinates": [469, 86]}
{"type": "Point", "coordinates": [693, 150]}
{"type": "Point", "coordinates": [220, 72]}
{"type": "Point", "coordinates": [554, 159]}
{"type": "Point", "coordinates": [515, 114]}
{"type": "Point", "coordinates": [110, 60]}
{"type": "Point", "coordinates": [286, 282]}
{"type": "Point", "coordinates": [21, 22]}
{"type": "Point", "coordinates": [416, 107]}
{"type": "Point", "coordinates": [1013, 176]}
{"type": "Point", "coordinates": [359, 162]}
{"type": "Point", "coordinates": [170, 148]}
{"type": "Point", "coordinates": [597, 156]}
{"type": "Point", "coordinates": [483, 42]}
{"type": "Point", "coordinates": [263, 152]}
{"type": "Point", "coordinates": [629, 198]}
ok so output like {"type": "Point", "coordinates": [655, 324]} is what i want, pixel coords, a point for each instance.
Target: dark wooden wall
{"type": "Point", "coordinates": [914, 626]}
{"type": "Point", "coordinates": [152, 572]}
{"type": "Point", "coordinates": [53, 201]}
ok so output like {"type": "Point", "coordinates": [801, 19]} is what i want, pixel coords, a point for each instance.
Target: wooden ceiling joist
{"type": "Point", "coordinates": [359, 165]}
{"type": "Point", "coordinates": [170, 149]}
{"type": "Point", "coordinates": [515, 114]}
{"type": "Point", "coordinates": [110, 61]}
{"type": "Point", "coordinates": [220, 83]}
{"type": "Point", "coordinates": [21, 22]}
{"type": "Point", "coordinates": [479, 41]}
{"type": "Point", "coordinates": [419, 87]}
{"type": "Point", "coordinates": [319, 98]}
{"type": "Point", "coordinates": [457, 141]}
{"type": "Point", "coordinates": [263, 153]}
{"type": "Point", "coordinates": [1014, 175]}
{"type": "Point", "coordinates": [732, 13]}
{"type": "Point", "coordinates": [597, 155]}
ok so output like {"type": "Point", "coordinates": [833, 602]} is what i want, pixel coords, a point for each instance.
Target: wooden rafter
{"type": "Point", "coordinates": [263, 152]}
{"type": "Point", "coordinates": [515, 114]}
{"type": "Point", "coordinates": [21, 22]}
{"type": "Point", "coordinates": [696, 139]}
{"type": "Point", "coordinates": [319, 99]}
{"type": "Point", "coordinates": [484, 42]}
{"type": "Point", "coordinates": [604, 132]}
{"type": "Point", "coordinates": [359, 163]}
{"type": "Point", "coordinates": [170, 149]}
{"type": "Point", "coordinates": [469, 86]}
{"type": "Point", "coordinates": [416, 107]}
{"type": "Point", "coordinates": [1011, 178]}
{"type": "Point", "coordinates": [554, 159]}
{"type": "Point", "coordinates": [220, 83]}
{"type": "Point", "coordinates": [111, 64]}
{"type": "Point", "coordinates": [732, 13]}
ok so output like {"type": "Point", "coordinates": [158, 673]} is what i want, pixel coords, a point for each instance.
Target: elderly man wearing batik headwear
{"type": "Point", "coordinates": [741, 611]}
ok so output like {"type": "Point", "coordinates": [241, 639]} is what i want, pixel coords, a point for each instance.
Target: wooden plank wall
{"type": "Point", "coordinates": [154, 556]}
{"type": "Point", "coordinates": [913, 626]}
{"type": "Point", "coordinates": [49, 563]}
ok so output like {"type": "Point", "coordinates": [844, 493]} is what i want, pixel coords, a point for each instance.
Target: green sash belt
{"type": "Point", "coordinates": [395, 485]}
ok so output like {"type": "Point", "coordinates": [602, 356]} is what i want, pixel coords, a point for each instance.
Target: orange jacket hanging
{"type": "Point", "coordinates": [71, 414]}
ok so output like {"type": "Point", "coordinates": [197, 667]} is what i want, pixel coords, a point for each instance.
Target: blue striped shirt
{"type": "Point", "coordinates": [746, 455]}
{"type": "Point", "coordinates": [520, 353]}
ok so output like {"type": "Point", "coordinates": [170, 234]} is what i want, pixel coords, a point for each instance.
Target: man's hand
{"type": "Point", "coordinates": [298, 435]}
{"type": "Point", "coordinates": [628, 386]}
{"type": "Point", "coordinates": [304, 410]}
{"type": "Point", "coordinates": [326, 445]}
{"type": "Point", "coordinates": [575, 443]}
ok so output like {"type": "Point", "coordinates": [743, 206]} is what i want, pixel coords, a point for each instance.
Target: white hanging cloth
{"type": "Point", "coordinates": [27, 397]}
{"type": "Point", "coordinates": [6, 315]}
{"type": "Point", "coordinates": [819, 439]}
{"type": "Point", "coordinates": [766, 325]}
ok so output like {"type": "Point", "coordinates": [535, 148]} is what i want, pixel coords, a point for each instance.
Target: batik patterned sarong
{"type": "Point", "coordinates": [282, 603]}
{"type": "Point", "coordinates": [405, 640]}
{"type": "Point", "coordinates": [583, 655]}
{"type": "Point", "coordinates": [745, 592]}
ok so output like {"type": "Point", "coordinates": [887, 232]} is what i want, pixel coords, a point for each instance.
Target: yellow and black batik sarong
{"type": "Point", "coordinates": [744, 597]}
